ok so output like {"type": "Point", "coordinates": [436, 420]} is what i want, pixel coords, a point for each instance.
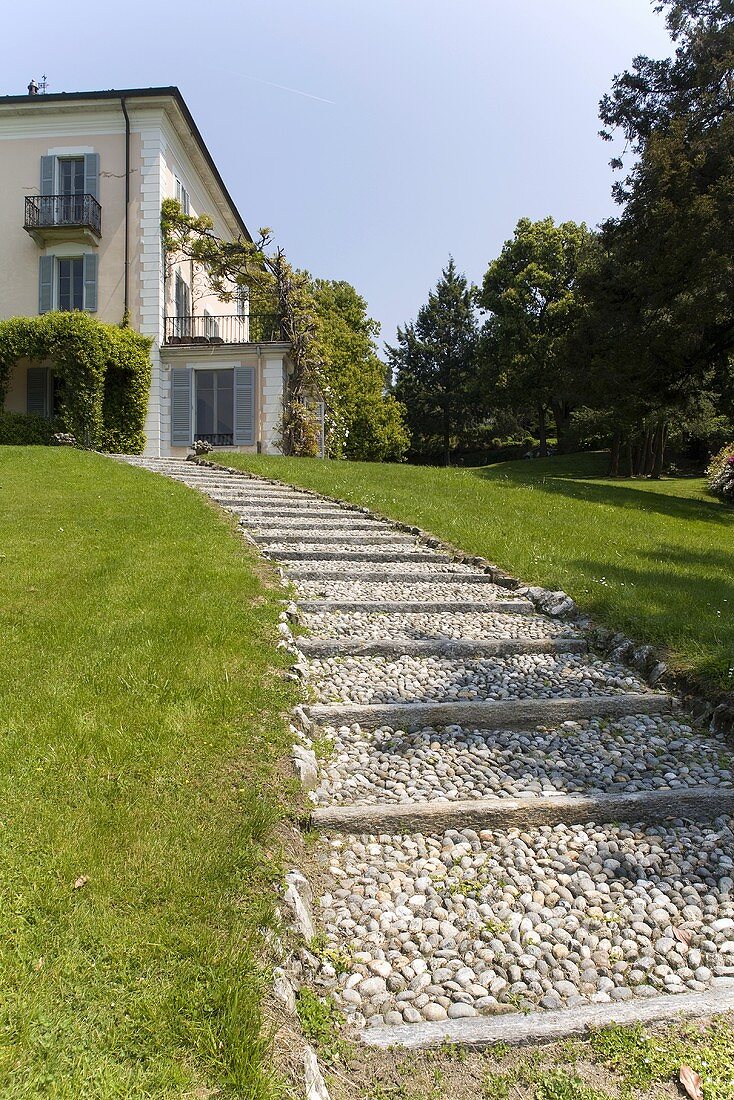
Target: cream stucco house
{"type": "Point", "coordinates": [82, 179]}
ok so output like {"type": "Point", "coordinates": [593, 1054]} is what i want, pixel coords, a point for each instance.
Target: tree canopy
{"type": "Point", "coordinates": [434, 361]}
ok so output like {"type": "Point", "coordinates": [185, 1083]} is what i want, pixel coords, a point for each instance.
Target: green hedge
{"type": "Point", "coordinates": [24, 430]}
{"type": "Point", "coordinates": [105, 370]}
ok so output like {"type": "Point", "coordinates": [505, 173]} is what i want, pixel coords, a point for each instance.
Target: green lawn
{"type": "Point", "coordinates": [142, 722]}
{"type": "Point", "coordinates": [655, 559]}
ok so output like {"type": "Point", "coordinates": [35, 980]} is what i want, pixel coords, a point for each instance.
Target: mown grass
{"type": "Point", "coordinates": [141, 704]}
{"type": "Point", "coordinates": [651, 558]}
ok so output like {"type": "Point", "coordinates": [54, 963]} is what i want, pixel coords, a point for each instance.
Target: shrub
{"type": "Point", "coordinates": [25, 430]}
{"type": "Point", "coordinates": [720, 474]}
{"type": "Point", "coordinates": [105, 371]}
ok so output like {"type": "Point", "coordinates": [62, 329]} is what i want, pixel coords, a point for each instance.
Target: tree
{"type": "Point", "coordinates": [662, 292]}
{"type": "Point", "coordinates": [530, 292]}
{"type": "Point", "coordinates": [371, 419]}
{"type": "Point", "coordinates": [435, 361]}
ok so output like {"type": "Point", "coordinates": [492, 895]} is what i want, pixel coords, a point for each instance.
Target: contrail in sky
{"type": "Point", "coordinates": [295, 91]}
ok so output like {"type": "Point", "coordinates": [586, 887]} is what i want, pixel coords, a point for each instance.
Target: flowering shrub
{"type": "Point", "coordinates": [720, 474]}
{"type": "Point", "coordinates": [202, 447]}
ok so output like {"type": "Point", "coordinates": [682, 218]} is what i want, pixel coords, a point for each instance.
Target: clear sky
{"type": "Point", "coordinates": [423, 128]}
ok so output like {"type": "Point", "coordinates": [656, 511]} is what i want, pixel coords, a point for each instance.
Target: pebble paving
{"type": "Point", "coordinates": [458, 923]}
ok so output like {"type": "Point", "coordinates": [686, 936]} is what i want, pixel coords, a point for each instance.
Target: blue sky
{"type": "Point", "coordinates": [428, 128]}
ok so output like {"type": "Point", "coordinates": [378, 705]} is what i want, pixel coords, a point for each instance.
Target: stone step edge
{"type": "Point", "coordinates": [358, 555]}
{"type": "Point", "coordinates": [695, 803]}
{"type": "Point", "coordinates": [478, 580]}
{"type": "Point", "coordinates": [520, 714]}
{"type": "Point", "coordinates": [520, 1029]}
{"type": "Point", "coordinates": [437, 647]}
{"type": "Point", "coordinates": [517, 606]}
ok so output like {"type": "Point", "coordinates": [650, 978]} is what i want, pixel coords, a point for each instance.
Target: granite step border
{"type": "Point", "coordinates": [517, 606]}
{"type": "Point", "coordinates": [695, 804]}
{"type": "Point", "coordinates": [513, 714]}
{"type": "Point", "coordinates": [384, 558]}
{"type": "Point", "coordinates": [326, 574]}
{"type": "Point", "coordinates": [521, 1029]}
{"type": "Point", "coordinates": [437, 647]}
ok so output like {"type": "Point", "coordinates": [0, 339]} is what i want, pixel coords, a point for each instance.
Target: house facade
{"type": "Point", "coordinates": [82, 179]}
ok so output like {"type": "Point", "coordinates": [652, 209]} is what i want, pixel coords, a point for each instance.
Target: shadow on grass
{"type": "Point", "coordinates": [580, 488]}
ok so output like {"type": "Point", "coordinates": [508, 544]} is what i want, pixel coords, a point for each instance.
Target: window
{"type": "Point", "coordinates": [182, 196]}
{"type": "Point", "coordinates": [211, 326]}
{"type": "Point", "coordinates": [71, 175]}
{"type": "Point", "coordinates": [183, 296]}
{"type": "Point", "coordinates": [68, 282]}
{"type": "Point", "coordinates": [215, 406]}
{"type": "Point", "coordinates": [71, 284]}
{"type": "Point", "coordinates": [243, 302]}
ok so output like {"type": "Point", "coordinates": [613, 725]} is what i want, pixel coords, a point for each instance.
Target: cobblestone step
{"type": "Point", "coordinates": [439, 570]}
{"type": "Point", "coordinates": [632, 754]}
{"type": "Point", "coordinates": [463, 924]}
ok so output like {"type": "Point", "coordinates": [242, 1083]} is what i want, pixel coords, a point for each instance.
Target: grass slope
{"type": "Point", "coordinates": [651, 558]}
{"type": "Point", "coordinates": [141, 721]}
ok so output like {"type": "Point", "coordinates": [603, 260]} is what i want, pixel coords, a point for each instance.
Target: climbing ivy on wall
{"type": "Point", "coordinates": [104, 371]}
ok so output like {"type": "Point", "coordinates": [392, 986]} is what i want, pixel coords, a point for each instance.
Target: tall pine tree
{"type": "Point", "coordinates": [434, 362]}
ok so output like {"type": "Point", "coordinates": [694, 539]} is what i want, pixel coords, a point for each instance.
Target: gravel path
{"type": "Point", "coordinates": [445, 925]}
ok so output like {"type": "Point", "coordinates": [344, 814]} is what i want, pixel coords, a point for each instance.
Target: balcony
{"type": "Point", "coordinates": [50, 218]}
{"type": "Point", "coordinates": [257, 328]}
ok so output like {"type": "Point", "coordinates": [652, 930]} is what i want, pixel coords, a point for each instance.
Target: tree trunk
{"type": "Point", "coordinates": [660, 441]}
{"type": "Point", "coordinates": [542, 431]}
{"type": "Point", "coordinates": [446, 439]}
{"type": "Point", "coordinates": [630, 458]}
{"type": "Point", "coordinates": [614, 453]}
{"type": "Point", "coordinates": [648, 453]}
{"type": "Point", "coordinates": [562, 417]}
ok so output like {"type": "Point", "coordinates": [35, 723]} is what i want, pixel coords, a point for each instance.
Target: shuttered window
{"type": "Point", "coordinates": [181, 435]}
{"type": "Point", "coordinates": [244, 406]}
{"type": "Point", "coordinates": [37, 391]}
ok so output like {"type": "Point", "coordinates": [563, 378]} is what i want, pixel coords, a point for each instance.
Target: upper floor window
{"type": "Point", "coordinates": [182, 197]}
{"type": "Point", "coordinates": [183, 296]}
{"type": "Point", "coordinates": [71, 175]}
{"type": "Point", "coordinates": [68, 282]}
{"type": "Point", "coordinates": [71, 283]}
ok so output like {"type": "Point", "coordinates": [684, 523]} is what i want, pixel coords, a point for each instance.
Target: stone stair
{"type": "Point", "coordinates": [520, 837]}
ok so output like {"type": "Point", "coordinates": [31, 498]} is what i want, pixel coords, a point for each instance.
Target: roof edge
{"type": "Point", "coordinates": [171, 92]}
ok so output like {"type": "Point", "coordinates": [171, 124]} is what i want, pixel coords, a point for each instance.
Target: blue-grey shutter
{"type": "Point", "coordinates": [244, 406]}
{"type": "Point", "coordinates": [37, 391]}
{"type": "Point", "coordinates": [46, 266]}
{"type": "Point", "coordinates": [91, 174]}
{"type": "Point", "coordinates": [90, 282]}
{"type": "Point", "coordinates": [47, 175]}
{"type": "Point", "coordinates": [181, 433]}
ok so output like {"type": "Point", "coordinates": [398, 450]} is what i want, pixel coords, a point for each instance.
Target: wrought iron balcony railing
{"type": "Point", "coordinates": [49, 212]}
{"type": "Point", "coordinates": [258, 328]}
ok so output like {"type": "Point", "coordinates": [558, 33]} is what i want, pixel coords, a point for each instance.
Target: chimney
{"type": "Point", "coordinates": [33, 88]}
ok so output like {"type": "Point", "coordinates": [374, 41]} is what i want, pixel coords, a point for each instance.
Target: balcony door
{"type": "Point", "coordinates": [71, 190]}
{"type": "Point", "coordinates": [215, 407]}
